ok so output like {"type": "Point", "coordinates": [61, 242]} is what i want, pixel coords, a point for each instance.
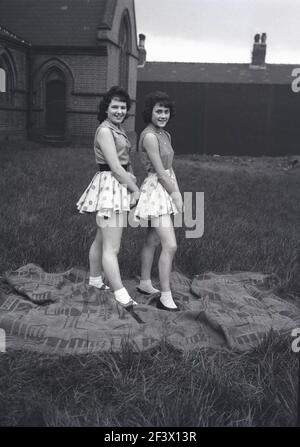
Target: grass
{"type": "Point", "coordinates": [252, 216]}
{"type": "Point", "coordinates": [159, 389]}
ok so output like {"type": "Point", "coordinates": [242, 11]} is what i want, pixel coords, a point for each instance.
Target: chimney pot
{"type": "Point", "coordinates": [264, 38]}
{"type": "Point", "coordinates": [259, 51]}
{"type": "Point", "coordinates": [142, 50]}
{"type": "Point", "coordinates": [142, 39]}
{"type": "Point", "coordinates": [256, 38]}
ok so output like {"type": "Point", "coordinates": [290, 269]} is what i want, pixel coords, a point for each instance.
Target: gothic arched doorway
{"type": "Point", "coordinates": [56, 105]}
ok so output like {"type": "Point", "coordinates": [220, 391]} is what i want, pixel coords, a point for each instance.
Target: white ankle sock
{"type": "Point", "coordinates": [167, 300]}
{"type": "Point", "coordinates": [96, 281]}
{"type": "Point", "coordinates": [146, 286]}
{"type": "Point", "coordinates": [123, 297]}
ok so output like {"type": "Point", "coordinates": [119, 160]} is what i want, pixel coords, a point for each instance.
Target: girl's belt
{"type": "Point", "coordinates": [104, 167]}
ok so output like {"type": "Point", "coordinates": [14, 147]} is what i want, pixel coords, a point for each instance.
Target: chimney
{"type": "Point", "coordinates": [142, 51]}
{"type": "Point", "coordinates": [259, 51]}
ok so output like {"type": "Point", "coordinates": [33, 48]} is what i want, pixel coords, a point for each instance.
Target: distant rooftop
{"type": "Point", "coordinates": [230, 73]}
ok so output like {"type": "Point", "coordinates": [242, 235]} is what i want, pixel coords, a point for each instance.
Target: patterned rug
{"type": "Point", "coordinates": [228, 311]}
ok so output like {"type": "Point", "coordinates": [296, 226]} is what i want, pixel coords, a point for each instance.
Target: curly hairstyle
{"type": "Point", "coordinates": [157, 98]}
{"type": "Point", "coordinates": [115, 92]}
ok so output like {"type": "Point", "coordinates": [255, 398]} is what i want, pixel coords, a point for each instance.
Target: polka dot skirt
{"type": "Point", "coordinates": [104, 196]}
{"type": "Point", "coordinates": [154, 199]}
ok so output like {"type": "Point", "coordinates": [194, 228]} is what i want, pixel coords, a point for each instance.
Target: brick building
{"type": "Point", "coordinates": [57, 58]}
{"type": "Point", "coordinates": [226, 108]}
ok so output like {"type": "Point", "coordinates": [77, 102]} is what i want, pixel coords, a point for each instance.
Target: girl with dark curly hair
{"type": "Point", "coordinates": [160, 196]}
{"type": "Point", "coordinates": [111, 193]}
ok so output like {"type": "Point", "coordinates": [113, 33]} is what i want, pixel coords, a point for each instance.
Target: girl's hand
{"type": "Point", "coordinates": [134, 198]}
{"type": "Point", "coordinates": [132, 176]}
{"type": "Point", "coordinates": [177, 199]}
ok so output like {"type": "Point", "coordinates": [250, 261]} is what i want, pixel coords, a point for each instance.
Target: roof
{"type": "Point", "coordinates": [57, 22]}
{"type": "Point", "coordinates": [215, 73]}
{"type": "Point", "coordinates": [8, 34]}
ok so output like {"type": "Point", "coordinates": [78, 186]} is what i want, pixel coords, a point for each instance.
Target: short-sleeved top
{"type": "Point", "coordinates": [121, 141]}
{"type": "Point", "coordinates": [165, 148]}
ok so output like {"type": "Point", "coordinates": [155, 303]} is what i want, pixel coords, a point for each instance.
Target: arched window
{"type": "Point", "coordinates": [7, 78]}
{"type": "Point", "coordinates": [125, 48]}
{"type": "Point", "coordinates": [2, 80]}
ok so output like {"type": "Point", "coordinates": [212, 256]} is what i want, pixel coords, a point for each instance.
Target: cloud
{"type": "Point", "coordinates": [219, 30]}
{"type": "Point", "coordinates": [188, 50]}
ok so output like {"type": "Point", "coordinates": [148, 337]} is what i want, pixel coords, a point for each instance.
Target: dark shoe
{"type": "Point", "coordinates": [161, 306]}
{"type": "Point", "coordinates": [129, 303]}
{"type": "Point", "coordinates": [143, 291]}
{"type": "Point", "coordinates": [103, 287]}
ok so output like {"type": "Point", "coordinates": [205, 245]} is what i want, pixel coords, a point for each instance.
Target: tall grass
{"type": "Point", "coordinates": [251, 217]}
{"type": "Point", "coordinates": [162, 388]}
{"type": "Point", "coordinates": [251, 223]}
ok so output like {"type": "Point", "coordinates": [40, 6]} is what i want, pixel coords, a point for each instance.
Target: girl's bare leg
{"type": "Point", "coordinates": [147, 254]}
{"type": "Point", "coordinates": [95, 255]}
{"type": "Point", "coordinates": [112, 229]}
{"type": "Point", "coordinates": [165, 230]}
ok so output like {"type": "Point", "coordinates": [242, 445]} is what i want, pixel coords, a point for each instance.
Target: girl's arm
{"type": "Point", "coordinates": [130, 171]}
{"type": "Point", "coordinates": [151, 146]}
{"type": "Point", "coordinates": [108, 147]}
{"type": "Point", "coordinates": [176, 183]}
{"type": "Point", "coordinates": [169, 136]}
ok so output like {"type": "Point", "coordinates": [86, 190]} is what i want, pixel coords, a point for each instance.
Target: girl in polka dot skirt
{"type": "Point", "coordinates": [111, 193]}
{"type": "Point", "coordinates": [160, 196]}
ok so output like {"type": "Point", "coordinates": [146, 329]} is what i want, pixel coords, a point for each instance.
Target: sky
{"type": "Point", "coordinates": [219, 30]}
